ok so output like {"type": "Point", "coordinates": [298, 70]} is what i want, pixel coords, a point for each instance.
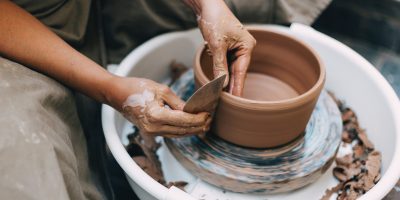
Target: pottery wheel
{"type": "Point", "coordinates": [262, 171]}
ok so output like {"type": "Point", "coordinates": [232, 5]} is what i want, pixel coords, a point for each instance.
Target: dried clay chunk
{"type": "Point", "coordinates": [373, 166]}
{"type": "Point", "coordinates": [331, 191]}
{"type": "Point", "coordinates": [179, 184]}
{"type": "Point", "coordinates": [364, 140]}
{"type": "Point", "coordinates": [149, 168]}
{"type": "Point", "coordinates": [359, 171]}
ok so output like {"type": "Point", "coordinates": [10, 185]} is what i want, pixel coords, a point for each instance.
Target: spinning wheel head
{"type": "Point", "coordinates": [262, 171]}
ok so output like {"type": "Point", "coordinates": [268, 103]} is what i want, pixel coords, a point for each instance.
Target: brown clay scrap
{"type": "Point", "coordinates": [359, 171]}
{"type": "Point", "coordinates": [143, 150]}
{"type": "Point", "coordinates": [177, 69]}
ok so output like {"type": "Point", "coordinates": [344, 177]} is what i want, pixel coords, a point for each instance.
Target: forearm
{"type": "Point", "coordinates": [198, 5]}
{"type": "Point", "coordinates": [26, 40]}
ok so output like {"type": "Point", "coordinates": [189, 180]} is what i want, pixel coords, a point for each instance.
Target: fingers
{"type": "Point", "coordinates": [220, 63]}
{"type": "Point", "coordinates": [171, 98]}
{"type": "Point", "coordinates": [238, 75]}
{"type": "Point", "coordinates": [160, 115]}
{"type": "Point", "coordinates": [201, 134]}
{"type": "Point", "coordinates": [240, 65]}
{"type": "Point", "coordinates": [191, 133]}
{"type": "Point", "coordinates": [155, 129]}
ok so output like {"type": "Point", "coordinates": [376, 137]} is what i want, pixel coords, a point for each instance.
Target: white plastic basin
{"type": "Point", "coordinates": [349, 76]}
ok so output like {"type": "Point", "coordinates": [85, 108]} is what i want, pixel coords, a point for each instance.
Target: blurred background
{"type": "Point", "coordinates": [370, 27]}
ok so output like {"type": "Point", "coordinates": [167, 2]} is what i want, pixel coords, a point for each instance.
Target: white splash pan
{"type": "Point", "coordinates": [349, 76]}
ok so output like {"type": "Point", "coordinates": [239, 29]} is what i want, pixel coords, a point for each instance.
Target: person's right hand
{"type": "Point", "coordinates": [224, 34]}
{"type": "Point", "coordinates": [143, 102]}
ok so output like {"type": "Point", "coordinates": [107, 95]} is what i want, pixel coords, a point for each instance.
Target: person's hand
{"type": "Point", "coordinates": [144, 102]}
{"type": "Point", "coordinates": [224, 34]}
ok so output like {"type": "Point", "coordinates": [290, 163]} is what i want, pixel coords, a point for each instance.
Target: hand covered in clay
{"type": "Point", "coordinates": [224, 34]}
{"type": "Point", "coordinates": [155, 109]}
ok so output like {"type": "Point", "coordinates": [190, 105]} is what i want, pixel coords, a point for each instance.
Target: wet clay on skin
{"type": "Point", "coordinates": [262, 87]}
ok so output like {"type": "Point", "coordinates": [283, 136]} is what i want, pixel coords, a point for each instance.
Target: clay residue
{"type": "Point", "coordinates": [139, 100]}
{"type": "Point", "coordinates": [142, 148]}
{"type": "Point", "coordinates": [358, 171]}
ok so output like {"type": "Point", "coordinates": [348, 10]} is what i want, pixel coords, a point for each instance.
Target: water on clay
{"type": "Point", "coordinates": [262, 87]}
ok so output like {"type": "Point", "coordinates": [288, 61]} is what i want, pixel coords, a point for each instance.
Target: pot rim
{"type": "Point", "coordinates": [269, 105]}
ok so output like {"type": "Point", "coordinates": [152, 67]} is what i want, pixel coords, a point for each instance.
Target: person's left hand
{"type": "Point", "coordinates": [143, 102]}
{"type": "Point", "coordinates": [224, 34]}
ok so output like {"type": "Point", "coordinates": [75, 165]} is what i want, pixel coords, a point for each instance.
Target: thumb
{"type": "Point", "coordinates": [220, 64]}
{"type": "Point", "coordinates": [172, 100]}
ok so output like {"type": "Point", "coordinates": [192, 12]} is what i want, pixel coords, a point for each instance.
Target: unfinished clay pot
{"type": "Point", "coordinates": [284, 81]}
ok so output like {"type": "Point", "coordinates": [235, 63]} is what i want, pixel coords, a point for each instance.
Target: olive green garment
{"type": "Point", "coordinates": [75, 21]}
{"type": "Point", "coordinates": [128, 24]}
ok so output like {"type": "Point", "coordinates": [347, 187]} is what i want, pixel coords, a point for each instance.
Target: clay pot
{"type": "Point", "coordinates": [284, 81]}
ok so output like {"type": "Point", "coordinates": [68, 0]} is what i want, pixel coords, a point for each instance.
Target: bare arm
{"type": "Point", "coordinates": [26, 40]}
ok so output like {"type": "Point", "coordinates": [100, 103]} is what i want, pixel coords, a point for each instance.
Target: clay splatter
{"type": "Point", "coordinates": [140, 100]}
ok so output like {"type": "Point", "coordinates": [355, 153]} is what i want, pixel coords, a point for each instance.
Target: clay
{"type": "Point", "coordinates": [359, 171]}
{"type": "Point", "coordinates": [345, 160]}
{"type": "Point", "coordinates": [262, 171]}
{"type": "Point", "coordinates": [364, 139]}
{"type": "Point", "coordinates": [142, 148]}
{"type": "Point", "coordinates": [272, 88]}
{"type": "Point", "coordinates": [268, 116]}
{"type": "Point", "coordinates": [179, 184]}
{"type": "Point", "coordinates": [331, 191]}
{"type": "Point", "coordinates": [205, 99]}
